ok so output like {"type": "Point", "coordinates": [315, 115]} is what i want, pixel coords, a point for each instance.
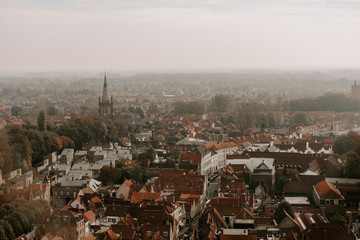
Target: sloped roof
{"type": "Point", "coordinates": [328, 231]}
{"type": "Point", "coordinates": [110, 235]}
{"type": "Point", "coordinates": [138, 197]}
{"type": "Point", "coordinates": [193, 157]}
{"type": "Point", "coordinates": [88, 215]}
{"type": "Point", "coordinates": [326, 190]}
{"type": "Point", "coordinates": [238, 237]}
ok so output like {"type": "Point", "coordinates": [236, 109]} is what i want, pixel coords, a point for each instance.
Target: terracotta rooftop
{"type": "Point", "coordinates": [326, 190]}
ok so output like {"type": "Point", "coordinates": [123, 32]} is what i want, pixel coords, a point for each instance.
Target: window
{"type": "Point", "coordinates": [61, 192]}
{"type": "Point", "coordinates": [327, 202]}
{"type": "Point", "coordinates": [336, 202]}
{"type": "Point", "coordinates": [165, 234]}
{"type": "Point", "coordinates": [148, 233]}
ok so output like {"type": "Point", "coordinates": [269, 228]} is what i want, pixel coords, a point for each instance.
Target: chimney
{"type": "Point", "coordinates": [307, 145]}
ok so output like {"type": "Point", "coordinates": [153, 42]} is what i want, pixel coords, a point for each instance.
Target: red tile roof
{"type": "Point", "coordinates": [238, 237]}
{"type": "Point", "coordinates": [326, 190]}
{"type": "Point", "coordinates": [138, 197]}
{"type": "Point", "coordinates": [192, 157]}
{"type": "Point", "coordinates": [110, 235]}
{"type": "Point", "coordinates": [89, 215]}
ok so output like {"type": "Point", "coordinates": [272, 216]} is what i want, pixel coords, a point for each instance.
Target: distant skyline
{"type": "Point", "coordinates": [70, 35]}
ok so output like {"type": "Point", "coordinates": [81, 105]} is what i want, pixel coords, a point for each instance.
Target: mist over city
{"type": "Point", "coordinates": [177, 119]}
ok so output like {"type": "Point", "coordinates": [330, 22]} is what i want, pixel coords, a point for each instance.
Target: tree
{"type": "Point", "coordinates": [337, 218]}
{"type": "Point", "coordinates": [89, 128]}
{"type": "Point", "coordinates": [132, 172]}
{"type": "Point", "coordinates": [16, 110]}
{"type": "Point", "coordinates": [221, 102]}
{"type": "Point", "coordinates": [244, 118]}
{"type": "Point", "coordinates": [300, 118]}
{"type": "Point", "coordinates": [343, 144]}
{"type": "Point", "coordinates": [84, 108]}
{"type": "Point", "coordinates": [110, 175]}
{"type": "Point", "coordinates": [152, 108]}
{"type": "Point", "coordinates": [140, 112]}
{"type": "Point", "coordinates": [281, 207]}
{"type": "Point", "coordinates": [150, 154]}
{"type": "Point", "coordinates": [3, 233]}
{"type": "Point", "coordinates": [52, 110]}
{"type": "Point", "coordinates": [160, 138]}
{"type": "Point", "coordinates": [8, 229]}
{"type": "Point", "coordinates": [352, 165]}
{"type": "Point", "coordinates": [41, 121]}
{"type": "Point", "coordinates": [194, 107]}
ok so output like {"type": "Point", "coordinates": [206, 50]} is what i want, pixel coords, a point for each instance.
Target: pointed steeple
{"type": "Point", "coordinates": [105, 96]}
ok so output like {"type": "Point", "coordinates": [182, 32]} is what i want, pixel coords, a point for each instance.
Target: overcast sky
{"type": "Point", "coordinates": [58, 35]}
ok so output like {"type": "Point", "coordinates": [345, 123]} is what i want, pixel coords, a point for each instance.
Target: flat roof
{"type": "Point", "coordinates": [300, 200]}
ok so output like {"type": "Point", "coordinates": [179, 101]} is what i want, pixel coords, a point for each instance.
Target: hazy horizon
{"type": "Point", "coordinates": [159, 35]}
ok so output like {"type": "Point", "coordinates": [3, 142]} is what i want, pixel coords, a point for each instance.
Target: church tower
{"type": "Point", "coordinates": [106, 103]}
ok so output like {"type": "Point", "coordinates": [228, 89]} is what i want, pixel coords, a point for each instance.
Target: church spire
{"type": "Point", "coordinates": [105, 96]}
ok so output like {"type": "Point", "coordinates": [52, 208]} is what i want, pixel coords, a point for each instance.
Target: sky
{"type": "Point", "coordinates": [70, 35]}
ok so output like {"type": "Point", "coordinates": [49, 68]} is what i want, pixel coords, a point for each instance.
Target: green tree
{"type": "Point", "coordinates": [352, 165]}
{"type": "Point", "coordinates": [89, 128]}
{"type": "Point", "coordinates": [281, 207]}
{"type": "Point", "coordinates": [150, 154]}
{"type": "Point", "coordinates": [140, 112]}
{"type": "Point", "coordinates": [3, 233]}
{"type": "Point", "coordinates": [300, 118]}
{"type": "Point", "coordinates": [52, 110]}
{"type": "Point", "coordinates": [194, 107]}
{"type": "Point", "coordinates": [343, 144]}
{"type": "Point", "coordinates": [110, 175]}
{"type": "Point", "coordinates": [8, 229]}
{"type": "Point", "coordinates": [221, 102]}
{"type": "Point", "coordinates": [337, 218]}
{"type": "Point", "coordinates": [16, 110]}
{"type": "Point", "coordinates": [152, 108]}
{"type": "Point", "coordinates": [41, 121]}
{"type": "Point", "coordinates": [132, 172]}
{"type": "Point", "coordinates": [15, 224]}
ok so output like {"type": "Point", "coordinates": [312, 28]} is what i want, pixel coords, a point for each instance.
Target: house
{"type": "Point", "coordinates": [67, 156]}
{"type": "Point", "coordinates": [190, 161]}
{"type": "Point", "coordinates": [41, 190]}
{"type": "Point", "coordinates": [172, 183]}
{"type": "Point", "coordinates": [80, 166]}
{"type": "Point", "coordinates": [301, 185]}
{"type": "Point", "coordinates": [66, 190]}
{"type": "Point", "coordinates": [328, 231]}
{"type": "Point", "coordinates": [191, 204]}
{"type": "Point", "coordinates": [288, 226]}
{"type": "Point", "coordinates": [66, 224]}
{"type": "Point", "coordinates": [89, 218]}
{"type": "Point", "coordinates": [326, 195]}
{"type": "Point", "coordinates": [349, 188]}
{"type": "Point", "coordinates": [156, 225]}
{"type": "Point", "coordinates": [241, 171]}
{"type": "Point", "coordinates": [17, 180]}
{"type": "Point", "coordinates": [124, 190]}
{"type": "Point", "coordinates": [80, 155]}
{"type": "Point", "coordinates": [138, 197]}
